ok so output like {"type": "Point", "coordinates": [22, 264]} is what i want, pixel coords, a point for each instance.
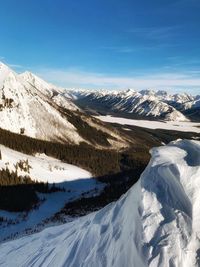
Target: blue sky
{"type": "Point", "coordinates": [104, 43]}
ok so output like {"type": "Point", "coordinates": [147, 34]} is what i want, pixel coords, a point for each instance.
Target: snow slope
{"type": "Point", "coordinates": [42, 168]}
{"type": "Point", "coordinates": [57, 94]}
{"type": "Point", "coordinates": [156, 223]}
{"type": "Point", "coordinates": [26, 108]}
{"type": "Point", "coordinates": [75, 180]}
{"type": "Point", "coordinates": [33, 107]}
{"type": "Point", "coordinates": [169, 125]}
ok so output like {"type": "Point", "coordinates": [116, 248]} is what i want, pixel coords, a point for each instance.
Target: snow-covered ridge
{"type": "Point", "coordinates": [156, 223]}
{"type": "Point", "coordinates": [149, 103]}
{"type": "Point", "coordinates": [33, 107]}
{"type": "Point", "coordinates": [27, 107]}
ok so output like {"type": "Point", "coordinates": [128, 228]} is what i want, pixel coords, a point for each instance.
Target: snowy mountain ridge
{"type": "Point", "coordinates": [156, 223]}
{"type": "Point", "coordinates": [25, 108]}
{"type": "Point", "coordinates": [33, 107]}
{"type": "Point", "coordinates": [146, 103]}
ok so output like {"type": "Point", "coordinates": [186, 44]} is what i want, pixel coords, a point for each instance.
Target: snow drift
{"type": "Point", "coordinates": [156, 223]}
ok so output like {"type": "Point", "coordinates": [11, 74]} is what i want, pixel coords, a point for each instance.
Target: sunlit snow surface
{"type": "Point", "coordinates": [156, 223]}
{"type": "Point", "coordinates": [75, 180]}
{"type": "Point", "coordinates": [42, 168]}
{"type": "Point", "coordinates": [33, 109]}
{"type": "Point", "coordinates": [168, 125]}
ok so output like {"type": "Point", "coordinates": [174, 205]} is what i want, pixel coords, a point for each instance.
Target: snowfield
{"type": "Point", "coordinates": [42, 168]}
{"type": "Point", "coordinates": [156, 223]}
{"type": "Point", "coordinates": [75, 180]}
{"type": "Point", "coordinates": [168, 125]}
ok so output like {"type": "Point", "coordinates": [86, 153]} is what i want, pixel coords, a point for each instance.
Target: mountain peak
{"type": "Point", "coordinates": [2, 64]}
{"type": "Point", "coordinates": [4, 72]}
{"type": "Point", "coordinates": [27, 74]}
{"type": "Point", "coordinates": [4, 67]}
{"type": "Point", "coordinates": [27, 103]}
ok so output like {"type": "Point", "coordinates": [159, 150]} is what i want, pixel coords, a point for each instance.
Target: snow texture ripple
{"type": "Point", "coordinates": [156, 223]}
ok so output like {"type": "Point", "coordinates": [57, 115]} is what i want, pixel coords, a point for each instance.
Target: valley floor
{"type": "Point", "coordinates": [167, 125]}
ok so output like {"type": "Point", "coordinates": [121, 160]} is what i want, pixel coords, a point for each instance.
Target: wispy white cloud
{"type": "Point", "coordinates": [141, 48]}
{"type": "Point", "coordinates": [157, 37]}
{"type": "Point", "coordinates": [179, 61]}
{"type": "Point", "coordinates": [154, 38]}
{"type": "Point", "coordinates": [77, 78]}
{"type": "Point", "coordinates": [120, 49]}
{"type": "Point", "coordinates": [158, 32]}
{"type": "Point", "coordinates": [11, 65]}
{"type": "Point", "coordinates": [16, 66]}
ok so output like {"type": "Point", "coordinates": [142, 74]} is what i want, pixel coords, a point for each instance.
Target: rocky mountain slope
{"type": "Point", "coordinates": [146, 103]}
{"type": "Point", "coordinates": [33, 107]}
{"type": "Point", "coordinates": [156, 223]}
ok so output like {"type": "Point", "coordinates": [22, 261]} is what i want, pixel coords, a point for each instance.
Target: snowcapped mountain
{"type": "Point", "coordinates": [57, 94]}
{"type": "Point", "coordinates": [31, 106]}
{"type": "Point", "coordinates": [146, 103]}
{"type": "Point", "coordinates": [156, 223]}
{"type": "Point", "coordinates": [25, 107]}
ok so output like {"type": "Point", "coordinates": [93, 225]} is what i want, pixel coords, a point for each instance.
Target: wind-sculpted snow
{"type": "Point", "coordinates": [156, 223]}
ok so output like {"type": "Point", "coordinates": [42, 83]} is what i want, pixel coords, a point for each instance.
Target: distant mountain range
{"type": "Point", "coordinates": [32, 106]}
{"type": "Point", "coordinates": [141, 104]}
{"type": "Point", "coordinates": [48, 135]}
